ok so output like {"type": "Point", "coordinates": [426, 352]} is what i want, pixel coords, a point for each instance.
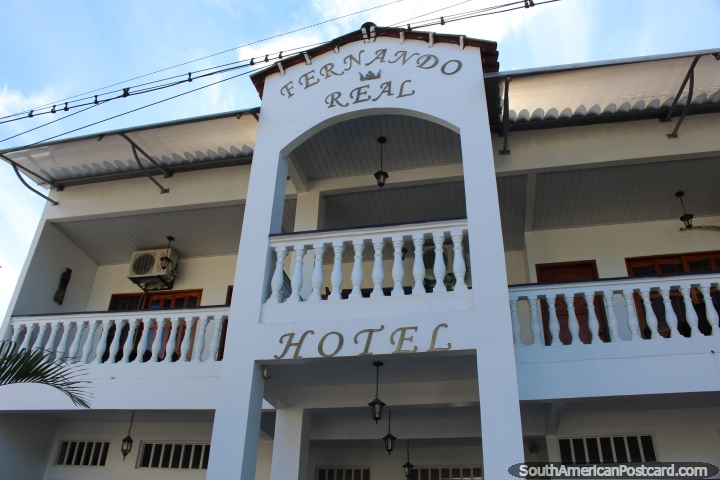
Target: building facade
{"type": "Point", "coordinates": [522, 276]}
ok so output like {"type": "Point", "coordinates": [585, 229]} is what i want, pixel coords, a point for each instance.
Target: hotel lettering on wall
{"type": "Point", "coordinates": [370, 92]}
{"type": "Point", "coordinates": [402, 338]}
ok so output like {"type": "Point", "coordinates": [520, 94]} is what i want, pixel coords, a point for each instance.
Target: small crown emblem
{"type": "Point", "coordinates": [370, 76]}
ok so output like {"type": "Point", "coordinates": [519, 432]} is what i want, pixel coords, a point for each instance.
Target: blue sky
{"type": "Point", "coordinates": [52, 50]}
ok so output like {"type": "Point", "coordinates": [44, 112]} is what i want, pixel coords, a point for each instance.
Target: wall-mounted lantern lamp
{"type": "Point", "coordinates": [376, 406]}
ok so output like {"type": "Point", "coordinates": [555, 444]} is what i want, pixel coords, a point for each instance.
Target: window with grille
{"type": "Point", "coordinates": [624, 449]}
{"type": "Point", "coordinates": [447, 473]}
{"type": "Point", "coordinates": [83, 454]}
{"type": "Point", "coordinates": [343, 473]}
{"type": "Point", "coordinates": [186, 456]}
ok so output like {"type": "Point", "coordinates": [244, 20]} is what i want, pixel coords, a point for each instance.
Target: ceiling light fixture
{"type": "Point", "coordinates": [166, 260]}
{"type": "Point", "coordinates": [407, 468]}
{"type": "Point", "coordinates": [381, 176]}
{"type": "Point", "coordinates": [686, 218]}
{"type": "Point", "coordinates": [127, 442]}
{"type": "Point", "coordinates": [376, 406]}
{"type": "Point", "coordinates": [389, 439]}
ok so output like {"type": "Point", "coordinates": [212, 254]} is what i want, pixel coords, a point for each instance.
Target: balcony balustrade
{"type": "Point", "coordinates": [359, 241]}
{"type": "Point", "coordinates": [654, 309]}
{"type": "Point", "coordinates": [125, 337]}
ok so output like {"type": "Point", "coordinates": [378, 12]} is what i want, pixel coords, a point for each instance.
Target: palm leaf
{"type": "Point", "coordinates": [35, 366]}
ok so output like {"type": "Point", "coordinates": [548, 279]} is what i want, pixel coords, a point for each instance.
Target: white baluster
{"type": "Point", "coordinates": [459, 268]}
{"type": "Point", "coordinates": [130, 340]}
{"type": "Point", "coordinates": [690, 314]}
{"type": "Point", "coordinates": [115, 344]}
{"type": "Point", "coordinates": [593, 323]}
{"type": "Point", "coordinates": [158, 340]}
{"type": "Point", "coordinates": [29, 329]}
{"type": "Point", "coordinates": [632, 317]}
{"type": "Point", "coordinates": [515, 322]}
{"type": "Point", "coordinates": [200, 340]}
{"type": "Point", "coordinates": [18, 328]}
{"type": "Point", "coordinates": [554, 323]}
{"type": "Point", "coordinates": [215, 344]}
{"type": "Point", "coordinates": [418, 264]}
{"type": "Point", "coordinates": [710, 312]}
{"type": "Point", "coordinates": [297, 275]}
{"type": "Point", "coordinates": [398, 271]}
{"type": "Point", "coordinates": [535, 327]}
{"type": "Point", "coordinates": [378, 273]}
{"type": "Point", "coordinates": [172, 339]}
{"type": "Point", "coordinates": [277, 279]}
{"type": "Point", "coordinates": [39, 341]}
{"type": "Point", "coordinates": [317, 276]}
{"type": "Point", "coordinates": [613, 324]}
{"type": "Point", "coordinates": [102, 343]}
{"type": "Point", "coordinates": [50, 345]}
{"type": "Point", "coordinates": [142, 344]}
{"type": "Point", "coordinates": [650, 317]}
{"type": "Point", "coordinates": [573, 324]}
{"type": "Point", "coordinates": [336, 277]}
{"type": "Point", "coordinates": [87, 348]}
{"type": "Point", "coordinates": [75, 345]}
{"type": "Point", "coordinates": [670, 316]}
{"type": "Point", "coordinates": [62, 344]}
{"type": "Point", "coordinates": [439, 269]}
{"type": "Point", "coordinates": [185, 345]}
{"type": "Point", "coordinates": [357, 276]}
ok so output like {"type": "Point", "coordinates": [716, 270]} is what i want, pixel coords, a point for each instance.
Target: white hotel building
{"type": "Point", "coordinates": [581, 324]}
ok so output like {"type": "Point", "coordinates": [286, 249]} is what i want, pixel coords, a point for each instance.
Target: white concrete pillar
{"type": "Point", "coordinates": [291, 444]}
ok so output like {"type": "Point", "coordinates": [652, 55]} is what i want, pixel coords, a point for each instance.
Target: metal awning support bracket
{"type": "Point", "coordinates": [59, 187]}
{"type": "Point", "coordinates": [689, 77]}
{"type": "Point", "coordinates": [17, 172]}
{"type": "Point", "coordinates": [137, 159]}
{"type": "Point", "coordinates": [506, 117]}
{"type": "Point", "coordinates": [135, 146]}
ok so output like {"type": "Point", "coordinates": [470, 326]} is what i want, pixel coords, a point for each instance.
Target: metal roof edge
{"type": "Point", "coordinates": [151, 126]}
{"type": "Point", "coordinates": [597, 64]}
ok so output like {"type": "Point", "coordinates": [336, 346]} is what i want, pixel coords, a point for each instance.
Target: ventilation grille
{"type": "Point", "coordinates": [624, 449]}
{"type": "Point", "coordinates": [468, 472]}
{"type": "Point", "coordinates": [143, 264]}
{"type": "Point", "coordinates": [184, 456]}
{"type": "Point", "coordinates": [343, 473]}
{"type": "Point", "coordinates": [84, 454]}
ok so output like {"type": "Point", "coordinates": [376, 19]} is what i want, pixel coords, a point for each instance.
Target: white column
{"type": "Point", "coordinates": [277, 279]}
{"type": "Point", "coordinates": [185, 345]}
{"type": "Point", "coordinates": [398, 271]}
{"type": "Point", "coordinates": [336, 277]}
{"type": "Point", "coordinates": [297, 274]}
{"type": "Point", "coordinates": [632, 317]}
{"type": "Point", "coordinates": [710, 312]}
{"type": "Point", "coordinates": [554, 323]}
{"type": "Point", "coordinates": [593, 323]}
{"type": "Point", "coordinates": [378, 273]}
{"type": "Point", "coordinates": [459, 267]}
{"type": "Point", "coordinates": [613, 324]}
{"type": "Point", "coordinates": [39, 341]}
{"type": "Point", "coordinates": [215, 343]}
{"type": "Point", "coordinates": [670, 316]}
{"type": "Point", "coordinates": [115, 344]}
{"type": "Point", "coordinates": [50, 346]}
{"type": "Point", "coordinates": [573, 324]}
{"type": "Point", "coordinates": [157, 341]}
{"type": "Point", "coordinates": [418, 264]}
{"type": "Point", "coordinates": [439, 269]}
{"type": "Point", "coordinates": [100, 351]}
{"type": "Point", "coordinates": [357, 272]}
{"type": "Point", "coordinates": [317, 275]}
{"type": "Point", "coordinates": [87, 348]}
{"type": "Point", "coordinates": [17, 330]}
{"type": "Point", "coordinates": [690, 314]}
{"type": "Point", "coordinates": [650, 317]}
{"type": "Point", "coordinates": [62, 344]}
{"type": "Point", "coordinates": [75, 345]}
{"type": "Point", "coordinates": [172, 339]}
{"type": "Point", "coordinates": [535, 326]}
{"type": "Point", "coordinates": [29, 329]}
{"type": "Point", "coordinates": [130, 340]}
{"type": "Point", "coordinates": [291, 444]}
{"type": "Point", "coordinates": [142, 344]}
{"type": "Point", "coordinates": [515, 322]}
{"type": "Point", "coordinates": [199, 346]}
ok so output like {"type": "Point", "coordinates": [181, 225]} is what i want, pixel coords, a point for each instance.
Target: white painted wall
{"type": "Point", "coordinates": [212, 274]}
{"type": "Point", "coordinates": [517, 267]}
{"type": "Point", "coordinates": [53, 254]}
{"type": "Point", "coordinates": [25, 445]}
{"type": "Point", "coordinates": [609, 245]}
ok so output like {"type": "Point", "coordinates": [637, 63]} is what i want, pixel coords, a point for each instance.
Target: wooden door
{"type": "Point", "coordinates": [572, 272]}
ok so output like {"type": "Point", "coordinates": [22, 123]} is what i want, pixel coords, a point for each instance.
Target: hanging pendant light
{"type": "Point", "coordinates": [127, 442]}
{"type": "Point", "coordinates": [686, 218]}
{"type": "Point", "coordinates": [407, 468]}
{"type": "Point", "coordinates": [381, 176]}
{"type": "Point", "coordinates": [166, 261]}
{"type": "Point", "coordinates": [389, 439]}
{"type": "Point", "coordinates": [376, 406]}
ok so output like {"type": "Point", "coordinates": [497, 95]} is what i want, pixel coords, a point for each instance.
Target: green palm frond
{"type": "Point", "coordinates": [35, 366]}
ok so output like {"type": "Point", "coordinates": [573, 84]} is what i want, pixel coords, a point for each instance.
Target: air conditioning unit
{"type": "Point", "coordinates": [146, 269]}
